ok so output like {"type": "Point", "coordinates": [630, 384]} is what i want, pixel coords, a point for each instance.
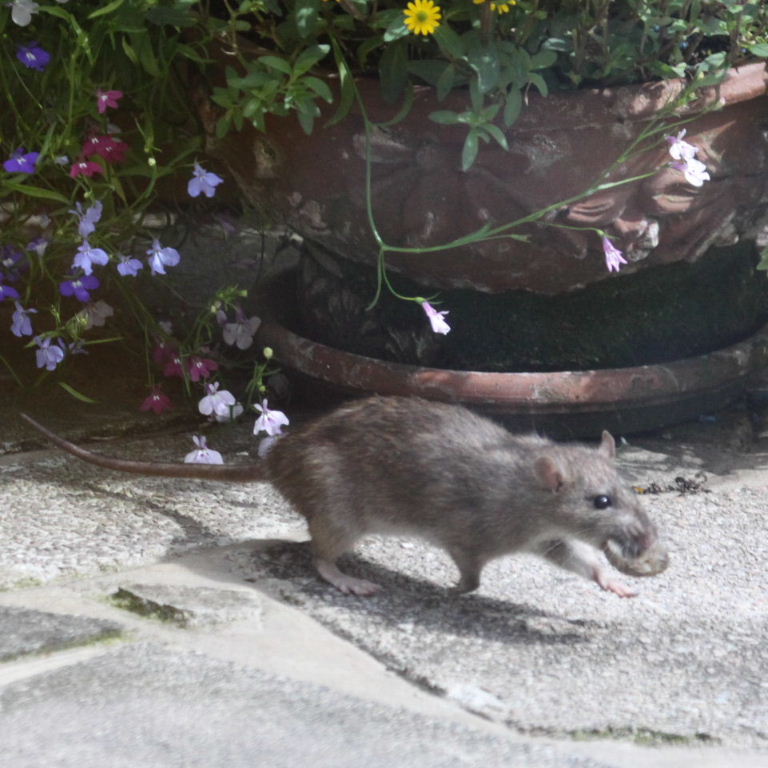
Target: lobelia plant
{"type": "Point", "coordinates": [98, 118]}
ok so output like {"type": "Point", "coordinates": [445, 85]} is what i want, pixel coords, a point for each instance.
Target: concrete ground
{"type": "Point", "coordinates": [148, 622]}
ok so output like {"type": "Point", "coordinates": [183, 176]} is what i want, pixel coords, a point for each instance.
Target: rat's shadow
{"type": "Point", "coordinates": [404, 598]}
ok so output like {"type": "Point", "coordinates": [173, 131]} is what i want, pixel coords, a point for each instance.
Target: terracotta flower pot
{"type": "Point", "coordinates": [558, 146]}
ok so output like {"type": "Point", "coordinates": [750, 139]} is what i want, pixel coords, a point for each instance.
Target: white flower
{"type": "Point", "coordinates": [233, 412]}
{"type": "Point", "coordinates": [97, 314]}
{"type": "Point", "coordinates": [203, 454]}
{"type": "Point", "coordinates": [270, 422]}
{"type": "Point", "coordinates": [241, 332]}
{"type": "Point", "coordinates": [695, 171]}
{"type": "Point", "coordinates": [22, 12]}
{"type": "Point", "coordinates": [679, 149]}
{"type": "Point", "coordinates": [436, 319]}
{"type": "Point", "coordinates": [215, 402]}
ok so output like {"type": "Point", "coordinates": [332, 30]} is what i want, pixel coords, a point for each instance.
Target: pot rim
{"type": "Point", "coordinates": [524, 392]}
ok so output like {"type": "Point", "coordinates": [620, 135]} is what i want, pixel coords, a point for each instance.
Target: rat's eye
{"type": "Point", "coordinates": [602, 502]}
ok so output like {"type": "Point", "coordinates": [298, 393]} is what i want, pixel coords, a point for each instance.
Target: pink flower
{"type": "Point", "coordinates": [614, 258]}
{"type": "Point", "coordinates": [174, 367]}
{"type": "Point", "coordinates": [157, 402]}
{"type": "Point", "coordinates": [436, 319]}
{"type": "Point", "coordinates": [201, 367]}
{"type": "Point", "coordinates": [164, 352]}
{"type": "Point", "coordinates": [111, 149]}
{"type": "Point", "coordinates": [85, 168]}
{"type": "Point", "coordinates": [107, 99]}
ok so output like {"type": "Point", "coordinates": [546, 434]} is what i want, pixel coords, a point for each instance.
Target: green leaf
{"type": "Point", "coordinates": [758, 49]}
{"type": "Point", "coordinates": [393, 69]}
{"type": "Point", "coordinates": [543, 59]}
{"type": "Point", "coordinates": [77, 395]}
{"type": "Point", "coordinates": [469, 151]}
{"type": "Point", "coordinates": [763, 259]}
{"type": "Point", "coordinates": [347, 84]}
{"type": "Point", "coordinates": [539, 82]}
{"type": "Point", "coordinates": [497, 134]}
{"type": "Point", "coordinates": [307, 14]}
{"type": "Point", "coordinates": [307, 111]}
{"type": "Point", "coordinates": [309, 57]}
{"type": "Point", "coordinates": [396, 29]}
{"type": "Point", "coordinates": [484, 59]}
{"type": "Point", "coordinates": [275, 62]}
{"type": "Point", "coordinates": [164, 16]}
{"type": "Point", "coordinates": [444, 117]}
{"type": "Point", "coordinates": [108, 8]}
{"type": "Point", "coordinates": [512, 106]}
{"type": "Point", "coordinates": [319, 87]}
{"type": "Point", "coordinates": [428, 70]}
{"type": "Point", "coordinates": [142, 45]}
{"type": "Point", "coordinates": [445, 82]}
{"type": "Point", "coordinates": [450, 42]}
{"type": "Point", "coordinates": [38, 192]}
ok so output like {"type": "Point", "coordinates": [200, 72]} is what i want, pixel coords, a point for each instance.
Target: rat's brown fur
{"type": "Point", "coordinates": [394, 465]}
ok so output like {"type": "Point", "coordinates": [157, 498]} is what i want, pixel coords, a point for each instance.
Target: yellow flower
{"type": "Point", "coordinates": [504, 7]}
{"type": "Point", "coordinates": [422, 17]}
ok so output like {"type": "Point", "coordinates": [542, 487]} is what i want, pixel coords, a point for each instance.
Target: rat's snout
{"type": "Point", "coordinates": [636, 550]}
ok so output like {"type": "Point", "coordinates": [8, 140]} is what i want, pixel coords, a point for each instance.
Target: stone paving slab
{"type": "Point", "coordinates": [535, 650]}
{"type": "Point", "coordinates": [24, 631]}
{"type": "Point", "coordinates": [145, 705]}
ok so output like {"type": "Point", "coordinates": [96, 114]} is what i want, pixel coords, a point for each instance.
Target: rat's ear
{"type": "Point", "coordinates": [548, 473]}
{"type": "Point", "coordinates": [607, 445]}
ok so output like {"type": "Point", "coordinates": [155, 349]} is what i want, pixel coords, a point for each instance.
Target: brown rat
{"type": "Point", "coordinates": [397, 465]}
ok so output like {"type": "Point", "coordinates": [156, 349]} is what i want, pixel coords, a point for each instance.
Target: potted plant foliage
{"type": "Point", "coordinates": [452, 166]}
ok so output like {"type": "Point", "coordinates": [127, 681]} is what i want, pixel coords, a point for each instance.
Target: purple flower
{"type": "Point", "coordinates": [107, 99]}
{"type": "Point", "coordinates": [22, 162]}
{"type": "Point", "coordinates": [129, 267]}
{"type": "Point", "coordinates": [12, 262]}
{"type": "Point", "coordinates": [216, 402]}
{"type": "Point", "coordinates": [270, 422]}
{"type": "Point", "coordinates": [33, 56]}
{"type": "Point", "coordinates": [7, 292]}
{"type": "Point", "coordinates": [436, 319]}
{"type": "Point", "coordinates": [88, 218]}
{"type": "Point", "coordinates": [38, 245]}
{"type": "Point", "coordinates": [80, 287]}
{"type": "Point", "coordinates": [203, 454]}
{"type": "Point", "coordinates": [21, 325]}
{"type": "Point", "coordinates": [49, 355]}
{"type": "Point", "coordinates": [203, 181]}
{"type": "Point", "coordinates": [160, 258]}
{"type": "Point", "coordinates": [614, 258]}
{"type": "Point", "coordinates": [157, 402]}
{"type": "Point", "coordinates": [87, 256]}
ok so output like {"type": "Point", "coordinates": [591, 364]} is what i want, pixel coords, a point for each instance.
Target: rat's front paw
{"type": "Point", "coordinates": [609, 585]}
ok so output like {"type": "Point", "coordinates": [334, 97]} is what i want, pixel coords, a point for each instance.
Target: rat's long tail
{"type": "Point", "coordinates": [244, 473]}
